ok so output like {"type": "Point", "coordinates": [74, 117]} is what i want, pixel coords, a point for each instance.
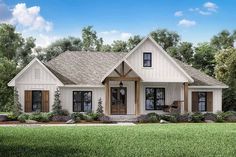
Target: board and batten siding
{"type": "Point", "coordinates": [36, 78]}
{"type": "Point", "coordinates": [67, 96]}
{"type": "Point", "coordinates": [173, 92]}
{"type": "Point", "coordinates": [162, 70]}
{"type": "Point", "coordinates": [216, 95]}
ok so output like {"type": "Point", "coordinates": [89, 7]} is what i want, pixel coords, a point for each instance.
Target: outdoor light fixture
{"type": "Point", "coordinates": [121, 84]}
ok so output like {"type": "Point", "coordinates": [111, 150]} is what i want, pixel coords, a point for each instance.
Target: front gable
{"type": "Point", "coordinates": [163, 67]}
{"type": "Point", "coordinates": [35, 73]}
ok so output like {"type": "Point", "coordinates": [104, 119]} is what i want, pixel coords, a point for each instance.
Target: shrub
{"type": "Point", "coordinates": [197, 117]}
{"type": "Point", "coordinates": [63, 112]}
{"type": "Point", "coordinates": [56, 107]}
{"type": "Point", "coordinates": [219, 118]}
{"type": "Point", "coordinates": [11, 116]}
{"type": "Point", "coordinates": [183, 117]}
{"type": "Point", "coordinates": [153, 119]}
{"type": "Point", "coordinates": [105, 119]}
{"type": "Point", "coordinates": [39, 117]}
{"type": "Point", "coordinates": [229, 116]}
{"type": "Point", "coordinates": [94, 116]}
{"type": "Point", "coordinates": [16, 108]}
{"type": "Point", "coordinates": [100, 108]}
{"type": "Point", "coordinates": [23, 117]}
{"type": "Point", "coordinates": [142, 119]}
{"type": "Point", "coordinates": [76, 115]}
{"type": "Point", "coordinates": [59, 118]}
{"type": "Point", "coordinates": [210, 116]}
{"type": "Point", "coordinates": [170, 118]}
{"type": "Point", "coordinates": [88, 118]}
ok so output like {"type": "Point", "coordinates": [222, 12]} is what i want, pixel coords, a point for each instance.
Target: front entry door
{"type": "Point", "coordinates": [118, 100]}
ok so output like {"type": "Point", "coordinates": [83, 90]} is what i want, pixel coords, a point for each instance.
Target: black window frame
{"type": "Point", "coordinates": [145, 60]}
{"type": "Point", "coordinates": [41, 101]}
{"type": "Point", "coordinates": [199, 93]}
{"type": "Point", "coordinates": [82, 101]}
{"type": "Point", "coordinates": [156, 107]}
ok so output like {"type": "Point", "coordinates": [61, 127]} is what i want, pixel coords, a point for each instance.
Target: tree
{"type": "Point", "coordinates": [165, 38]}
{"type": "Point", "coordinates": [106, 48]}
{"type": "Point", "coordinates": [204, 58]}
{"type": "Point", "coordinates": [56, 107]}
{"type": "Point", "coordinates": [226, 72]}
{"type": "Point", "coordinates": [90, 39]}
{"type": "Point", "coordinates": [223, 40]}
{"type": "Point", "coordinates": [8, 69]}
{"type": "Point", "coordinates": [183, 52]}
{"type": "Point", "coordinates": [133, 41]}
{"type": "Point", "coordinates": [119, 46]}
{"type": "Point", "coordinates": [17, 108]}
{"type": "Point", "coordinates": [24, 53]}
{"type": "Point", "coordinates": [60, 46]}
{"type": "Point", "coordinates": [10, 41]}
{"type": "Point", "coordinates": [100, 108]}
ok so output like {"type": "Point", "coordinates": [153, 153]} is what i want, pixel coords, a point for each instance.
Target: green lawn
{"type": "Point", "coordinates": [118, 141]}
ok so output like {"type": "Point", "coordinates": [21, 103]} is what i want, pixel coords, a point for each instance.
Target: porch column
{"type": "Point", "coordinates": [107, 97]}
{"type": "Point", "coordinates": [137, 97]}
{"type": "Point", "coordinates": [185, 96]}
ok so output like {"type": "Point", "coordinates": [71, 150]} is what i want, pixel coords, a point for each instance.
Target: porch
{"type": "Point", "coordinates": [126, 94]}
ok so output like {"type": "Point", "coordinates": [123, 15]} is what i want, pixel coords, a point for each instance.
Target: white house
{"type": "Point", "coordinates": [144, 80]}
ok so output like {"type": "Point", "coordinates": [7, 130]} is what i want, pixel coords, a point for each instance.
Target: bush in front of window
{"type": "Point", "coordinates": [88, 118]}
{"type": "Point", "coordinates": [210, 116]}
{"type": "Point", "coordinates": [77, 115]}
{"type": "Point", "coordinates": [197, 117]}
{"type": "Point", "coordinates": [94, 116]}
{"type": "Point", "coordinates": [39, 117]}
{"type": "Point", "coordinates": [169, 118]}
{"type": "Point", "coordinates": [183, 117]}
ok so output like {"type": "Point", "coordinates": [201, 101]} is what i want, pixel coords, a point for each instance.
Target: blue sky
{"type": "Point", "coordinates": [48, 20]}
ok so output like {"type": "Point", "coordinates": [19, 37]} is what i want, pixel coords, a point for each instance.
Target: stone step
{"type": "Point", "coordinates": [123, 118]}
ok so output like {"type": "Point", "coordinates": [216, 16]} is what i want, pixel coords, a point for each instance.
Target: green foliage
{"type": "Point", "coordinates": [23, 117]}
{"type": "Point", "coordinates": [152, 117]}
{"type": "Point", "coordinates": [226, 72]}
{"type": "Point", "coordinates": [90, 39]}
{"type": "Point", "coordinates": [204, 58]}
{"type": "Point", "coordinates": [11, 116]}
{"type": "Point", "coordinates": [56, 107]}
{"type": "Point", "coordinates": [16, 108]}
{"type": "Point", "coordinates": [133, 41]}
{"type": "Point", "coordinates": [94, 116]}
{"type": "Point", "coordinates": [165, 38]}
{"type": "Point", "coordinates": [169, 118]}
{"type": "Point", "coordinates": [119, 46]}
{"type": "Point", "coordinates": [179, 140]}
{"type": "Point", "coordinates": [40, 117]}
{"type": "Point", "coordinates": [197, 117]}
{"type": "Point", "coordinates": [10, 41]}
{"type": "Point", "coordinates": [77, 115]}
{"type": "Point", "coordinates": [210, 116]}
{"type": "Point", "coordinates": [223, 40]}
{"type": "Point", "coordinates": [183, 52]}
{"type": "Point", "coordinates": [100, 107]}
{"type": "Point", "coordinates": [106, 48]}
{"type": "Point", "coordinates": [88, 118]}
{"type": "Point", "coordinates": [60, 46]}
{"type": "Point", "coordinates": [8, 70]}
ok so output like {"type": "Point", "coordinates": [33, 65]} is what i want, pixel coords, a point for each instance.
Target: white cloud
{"type": "Point", "coordinates": [210, 6]}
{"type": "Point", "coordinates": [187, 23]}
{"type": "Point", "coordinates": [110, 36]}
{"type": "Point", "coordinates": [29, 18]}
{"type": "Point", "coordinates": [200, 11]}
{"type": "Point", "coordinates": [178, 13]}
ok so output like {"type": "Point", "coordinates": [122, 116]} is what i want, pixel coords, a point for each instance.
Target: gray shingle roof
{"type": "Point", "coordinates": [83, 68]}
{"type": "Point", "coordinates": [200, 78]}
{"type": "Point", "coordinates": [88, 68]}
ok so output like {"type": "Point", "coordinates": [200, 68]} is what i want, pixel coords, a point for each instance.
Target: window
{"type": "Point", "coordinates": [147, 59]}
{"type": "Point", "coordinates": [36, 101]}
{"type": "Point", "coordinates": [202, 101]}
{"type": "Point", "coordinates": [37, 73]}
{"type": "Point", "coordinates": [82, 101]}
{"type": "Point", "coordinates": [154, 98]}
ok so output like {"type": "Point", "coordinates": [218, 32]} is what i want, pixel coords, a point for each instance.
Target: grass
{"type": "Point", "coordinates": [119, 141]}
